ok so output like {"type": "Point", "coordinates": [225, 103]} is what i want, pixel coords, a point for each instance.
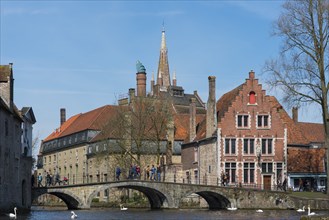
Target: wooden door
{"type": "Point", "coordinates": [267, 182]}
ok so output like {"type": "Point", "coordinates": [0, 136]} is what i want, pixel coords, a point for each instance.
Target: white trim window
{"type": "Point", "coordinates": [249, 146]}
{"type": "Point", "coordinates": [230, 146]}
{"type": "Point", "coordinates": [263, 121]}
{"type": "Point", "coordinates": [230, 170]}
{"type": "Point", "coordinates": [267, 167]}
{"type": "Point", "coordinates": [267, 146]}
{"type": "Point", "coordinates": [242, 121]}
{"type": "Point", "coordinates": [248, 172]}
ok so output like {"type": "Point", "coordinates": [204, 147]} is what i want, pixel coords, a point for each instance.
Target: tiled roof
{"type": "Point", "coordinates": [314, 132]}
{"type": "Point", "coordinates": [305, 160]}
{"type": "Point", "coordinates": [92, 120]}
{"type": "Point", "coordinates": [182, 125]}
{"type": "Point", "coordinates": [295, 135]}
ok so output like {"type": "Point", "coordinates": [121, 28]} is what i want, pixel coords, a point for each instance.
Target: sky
{"type": "Point", "coordinates": [81, 55]}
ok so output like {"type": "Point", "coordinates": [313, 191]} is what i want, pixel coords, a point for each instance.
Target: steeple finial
{"type": "Point", "coordinates": [163, 39]}
{"type": "Point", "coordinates": [163, 68]}
{"type": "Point", "coordinates": [152, 75]}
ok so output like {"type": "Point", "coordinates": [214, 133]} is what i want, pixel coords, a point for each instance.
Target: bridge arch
{"type": "Point", "coordinates": [157, 199]}
{"type": "Point", "coordinates": [215, 200]}
{"type": "Point", "coordinates": [69, 198]}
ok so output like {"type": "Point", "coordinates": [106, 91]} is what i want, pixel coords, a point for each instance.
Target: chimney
{"type": "Point", "coordinates": [192, 119]}
{"type": "Point", "coordinates": [251, 74]}
{"type": "Point", "coordinates": [174, 80]}
{"type": "Point", "coordinates": [63, 115]}
{"type": "Point", "coordinates": [141, 83]}
{"type": "Point", "coordinates": [131, 95]}
{"type": "Point", "coordinates": [295, 114]}
{"type": "Point", "coordinates": [211, 107]}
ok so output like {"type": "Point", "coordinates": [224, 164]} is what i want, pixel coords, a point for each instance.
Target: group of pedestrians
{"type": "Point", "coordinates": [50, 180]}
{"type": "Point", "coordinates": [153, 173]}
{"type": "Point", "coordinates": [150, 172]}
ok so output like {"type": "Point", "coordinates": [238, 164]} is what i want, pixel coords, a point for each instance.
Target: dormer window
{"type": "Point", "coordinates": [252, 98]}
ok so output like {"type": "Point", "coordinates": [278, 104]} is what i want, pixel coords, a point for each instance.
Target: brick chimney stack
{"type": "Point", "coordinates": [295, 114]}
{"type": "Point", "coordinates": [131, 95]}
{"type": "Point", "coordinates": [174, 80]}
{"type": "Point", "coordinates": [192, 119]}
{"type": "Point", "coordinates": [62, 115]}
{"type": "Point", "coordinates": [211, 107]}
{"type": "Point", "coordinates": [141, 83]}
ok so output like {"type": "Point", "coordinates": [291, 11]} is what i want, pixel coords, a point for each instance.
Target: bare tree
{"type": "Point", "coordinates": [35, 144]}
{"type": "Point", "coordinates": [135, 131]}
{"type": "Point", "coordinates": [159, 119]}
{"type": "Point", "coordinates": [301, 70]}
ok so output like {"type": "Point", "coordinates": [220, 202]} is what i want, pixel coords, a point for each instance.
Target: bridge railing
{"type": "Point", "coordinates": [214, 181]}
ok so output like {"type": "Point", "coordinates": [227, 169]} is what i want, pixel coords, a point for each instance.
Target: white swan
{"type": "Point", "coordinates": [232, 208]}
{"type": "Point", "coordinates": [13, 215]}
{"type": "Point", "coordinates": [309, 211]}
{"type": "Point", "coordinates": [259, 210]}
{"type": "Point", "coordinates": [73, 216]}
{"type": "Point", "coordinates": [123, 208]}
{"type": "Point", "coordinates": [301, 210]}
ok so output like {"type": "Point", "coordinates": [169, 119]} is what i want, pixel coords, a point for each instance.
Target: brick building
{"type": "Point", "coordinates": [255, 143]}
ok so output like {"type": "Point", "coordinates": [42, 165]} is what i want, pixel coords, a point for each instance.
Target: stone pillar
{"type": "Point", "coordinates": [211, 107]}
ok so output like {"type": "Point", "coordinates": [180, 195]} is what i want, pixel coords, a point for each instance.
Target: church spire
{"type": "Point", "coordinates": [163, 68]}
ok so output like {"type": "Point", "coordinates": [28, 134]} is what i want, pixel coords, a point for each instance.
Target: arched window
{"type": "Point", "coordinates": [252, 98]}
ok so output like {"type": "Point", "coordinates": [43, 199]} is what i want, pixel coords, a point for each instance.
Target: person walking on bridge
{"type": "Point", "coordinates": [117, 173]}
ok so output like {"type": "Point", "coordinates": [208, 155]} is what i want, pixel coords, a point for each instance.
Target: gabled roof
{"type": "Point", "coordinates": [27, 112]}
{"type": "Point", "coordinates": [298, 133]}
{"type": "Point", "coordinates": [225, 102]}
{"type": "Point", "coordinates": [305, 160]}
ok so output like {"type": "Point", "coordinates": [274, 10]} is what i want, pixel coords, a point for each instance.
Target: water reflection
{"type": "Point", "coordinates": [108, 214]}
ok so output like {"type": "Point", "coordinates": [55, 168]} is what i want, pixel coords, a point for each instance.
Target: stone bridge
{"type": "Point", "coordinates": [170, 195]}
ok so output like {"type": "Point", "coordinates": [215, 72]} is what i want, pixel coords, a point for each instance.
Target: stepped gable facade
{"type": "Point", "coordinates": [256, 143]}
{"type": "Point", "coordinates": [249, 143]}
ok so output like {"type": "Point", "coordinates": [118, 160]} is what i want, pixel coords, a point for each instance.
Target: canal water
{"type": "Point", "coordinates": [147, 214]}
